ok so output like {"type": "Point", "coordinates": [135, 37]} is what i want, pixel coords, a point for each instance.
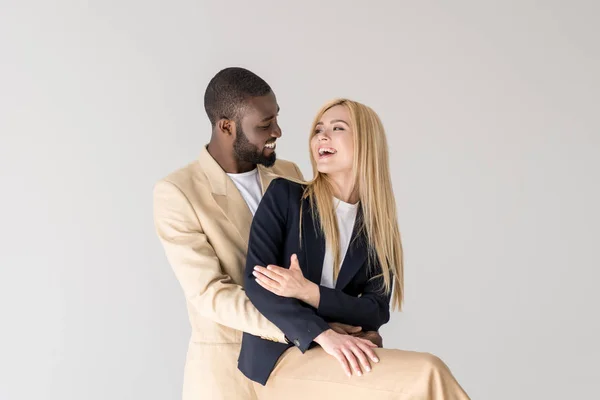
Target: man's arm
{"type": "Point", "coordinates": [212, 293]}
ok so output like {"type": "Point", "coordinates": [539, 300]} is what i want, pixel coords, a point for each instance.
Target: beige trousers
{"type": "Point", "coordinates": [399, 374]}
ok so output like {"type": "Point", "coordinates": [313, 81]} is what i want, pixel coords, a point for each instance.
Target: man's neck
{"type": "Point", "coordinates": [226, 159]}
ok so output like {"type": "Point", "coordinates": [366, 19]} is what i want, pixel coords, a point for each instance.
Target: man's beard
{"type": "Point", "coordinates": [247, 152]}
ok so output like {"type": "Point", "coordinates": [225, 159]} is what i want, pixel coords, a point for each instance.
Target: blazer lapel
{"type": "Point", "coordinates": [314, 250]}
{"type": "Point", "coordinates": [227, 196]}
{"type": "Point", "coordinates": [355, 257]}
{"type": "Point", "coordinates": [313, 244]}
{"type": "Point", "coordinates": [237, 210]}
{"type": "Point", "coordinates": [266, 176]}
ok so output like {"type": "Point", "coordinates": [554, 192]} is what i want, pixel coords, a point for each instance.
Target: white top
{"type": "Point", "coordinates": [346, 216]}
{"type": "Point", "coordinates": [248, 183]}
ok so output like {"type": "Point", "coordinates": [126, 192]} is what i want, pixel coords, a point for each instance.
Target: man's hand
{"type": "Point", "coordinates": [345, 329]}
{"type": "Point", "coordinates": [347, 349]}
{"type": "Point", "coordinates": [372, 336]}
{"type": "Point", "coordinates": [356, 331]}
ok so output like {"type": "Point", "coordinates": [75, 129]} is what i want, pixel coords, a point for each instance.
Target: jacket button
{"type": "Point", "coordinates": [297, 342]}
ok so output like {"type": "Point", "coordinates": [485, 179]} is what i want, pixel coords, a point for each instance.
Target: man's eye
{"type": "Point", "coordinates": [265, 127]}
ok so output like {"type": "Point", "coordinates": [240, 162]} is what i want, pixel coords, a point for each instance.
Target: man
{"type": "Point", "coordinates": [203, 213]}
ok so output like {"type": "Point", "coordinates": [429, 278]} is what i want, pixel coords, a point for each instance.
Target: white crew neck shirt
{"type": "Point", "coordinates": [248, 183]}
{"type": "Point", "coordinates": [346, 217]}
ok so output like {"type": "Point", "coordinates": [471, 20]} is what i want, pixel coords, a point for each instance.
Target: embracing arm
{"type": "Point", "coordinates": [211, 292]}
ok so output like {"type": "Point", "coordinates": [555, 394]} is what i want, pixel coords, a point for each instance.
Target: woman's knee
{"type": "Point", "coordinates": [414, 358]}
{"type": "Point", "coordinates": [432, 362]}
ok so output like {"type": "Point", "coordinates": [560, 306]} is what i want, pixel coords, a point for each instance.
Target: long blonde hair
{"type": "Point", "coordinates": [373, 183]}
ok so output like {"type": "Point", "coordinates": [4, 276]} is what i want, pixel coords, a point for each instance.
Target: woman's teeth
{"type": "Point", "coordinates": [326, 150]}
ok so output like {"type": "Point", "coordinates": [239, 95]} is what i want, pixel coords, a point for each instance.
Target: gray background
{"type": "Point", "coordinates": [491, 110]}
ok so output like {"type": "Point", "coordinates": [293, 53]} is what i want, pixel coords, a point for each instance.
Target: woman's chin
{"type": "Point", "coordinates": [324, 169]}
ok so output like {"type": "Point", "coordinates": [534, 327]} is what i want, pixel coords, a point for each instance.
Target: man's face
{"type": "Point", "coordinates": [257, 130]}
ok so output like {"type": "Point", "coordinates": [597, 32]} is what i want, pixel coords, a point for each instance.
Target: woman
{"type": "Point", "coordinates": [341, 237]}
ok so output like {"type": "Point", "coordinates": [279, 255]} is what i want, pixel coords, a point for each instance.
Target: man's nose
{"type": "Point", "coordinates": [276, 132]}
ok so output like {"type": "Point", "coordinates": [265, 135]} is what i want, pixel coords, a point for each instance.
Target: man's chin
{"type": "Point", "coordinates": [268, 161]}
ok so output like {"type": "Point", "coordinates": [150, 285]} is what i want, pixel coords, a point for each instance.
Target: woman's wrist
{"type": "Point", "coordinates": [311, 295]}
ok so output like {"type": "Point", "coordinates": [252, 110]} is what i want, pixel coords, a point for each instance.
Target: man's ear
{"type": "Point", "coordinates": [226, 126]}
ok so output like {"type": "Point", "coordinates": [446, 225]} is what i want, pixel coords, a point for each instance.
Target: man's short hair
{"type": "Point", "coordinates": [228, 90]}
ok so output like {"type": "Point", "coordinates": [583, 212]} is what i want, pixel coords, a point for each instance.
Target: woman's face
{"type": "Point", "coordinates": [332, 144]}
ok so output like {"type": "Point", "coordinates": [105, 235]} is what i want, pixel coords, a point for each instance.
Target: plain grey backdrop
{"type": "Point", "coordinates": [492, 114]}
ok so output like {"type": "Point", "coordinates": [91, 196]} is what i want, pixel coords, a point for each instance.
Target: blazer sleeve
{"type": "Point", "coordinates": [370, 311]}
{"type": "Point", "coordinates": [298, 321]}
{"type": "Point", "coordinates": [212, 293]}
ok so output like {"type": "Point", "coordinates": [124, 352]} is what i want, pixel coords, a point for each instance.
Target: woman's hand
{"type": "Point", "coordinates": [288, 282]}
{"type": "Point", "coordinates": [348, 350]}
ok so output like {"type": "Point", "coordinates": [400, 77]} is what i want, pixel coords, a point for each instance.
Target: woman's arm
{"type": "Point", "coordinates": [299, 323]}
{"type": "Point", "coordinates": [370, 310]}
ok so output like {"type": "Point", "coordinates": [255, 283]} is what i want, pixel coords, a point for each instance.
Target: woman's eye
{"type": "Point", "coordinates": [338, 128]}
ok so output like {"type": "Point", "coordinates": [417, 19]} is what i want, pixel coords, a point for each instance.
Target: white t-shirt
{"type": "Point", "coordinates": [248, 183]}
{"type": "Point", "coordinates": [346, 216]}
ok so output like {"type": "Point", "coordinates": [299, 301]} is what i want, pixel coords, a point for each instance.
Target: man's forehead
{"type": "Point", "coordinates": [263, 105]}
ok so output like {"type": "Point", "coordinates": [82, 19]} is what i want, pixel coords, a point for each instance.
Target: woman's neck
{"type": "Point", "coordinates": [343, 188]}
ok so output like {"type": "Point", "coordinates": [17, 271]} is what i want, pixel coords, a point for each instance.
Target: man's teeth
{"type": "Point", "coordinates": [270, 145]}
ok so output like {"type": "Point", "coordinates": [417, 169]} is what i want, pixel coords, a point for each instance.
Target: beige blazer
{"type": "Point", "coordinates": [203, 224]}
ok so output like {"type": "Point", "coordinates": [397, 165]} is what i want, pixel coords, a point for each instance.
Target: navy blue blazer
{"type": "Point", "coordinates": [274, 236]}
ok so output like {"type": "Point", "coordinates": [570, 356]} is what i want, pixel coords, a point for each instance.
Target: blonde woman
{"type": "Point", "coordinates": [338, 238]}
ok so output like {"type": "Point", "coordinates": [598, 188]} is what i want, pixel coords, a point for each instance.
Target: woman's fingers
{"type": "Point", "coordinates": [269, 274]}
{"type": "Point", "coordinates": [352, 360]}
{"type": "Point", "coordinates": [267, 284]}
{"type": "Point", "coordinates": [343, 361]}
{"type": "Point", "coordinates": [360, 353]}
{"type": "Point", "coordinates": [351, 352]}
{"type": "Point", "coordinates": [368, 347]}
{"type": "Point", "coordinates": [277, 270]}
{"type": "Point", "coordinates": [265, 279]}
